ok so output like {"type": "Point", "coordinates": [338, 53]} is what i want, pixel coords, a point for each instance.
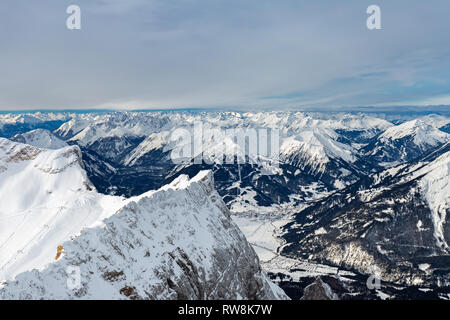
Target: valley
{"type": "Point", "coordinates": [349, 197]}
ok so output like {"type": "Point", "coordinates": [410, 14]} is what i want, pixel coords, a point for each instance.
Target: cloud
{"type": "Point", "coordinates": [217, 53]}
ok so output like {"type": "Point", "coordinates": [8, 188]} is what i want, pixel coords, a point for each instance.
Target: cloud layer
{"type": "Point", "coordinates": [232, 53]}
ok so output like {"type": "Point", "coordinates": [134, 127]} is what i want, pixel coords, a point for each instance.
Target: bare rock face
{"type": "Point", "coordinates": [178, 242]}
{"type": "Point", "coordinates": [318, 290]}
{"type": "Point", "coordinates": [395, 221]}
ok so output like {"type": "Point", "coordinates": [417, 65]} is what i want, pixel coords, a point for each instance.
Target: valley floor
{"type": "Point", "coordinates": [263, 231]}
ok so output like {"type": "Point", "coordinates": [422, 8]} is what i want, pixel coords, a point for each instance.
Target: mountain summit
{"type": "Point", "coordinates": [177, 242]}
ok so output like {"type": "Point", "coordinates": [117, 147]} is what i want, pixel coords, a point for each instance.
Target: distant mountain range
{"type": "Point", "coordinates": [352, 191]}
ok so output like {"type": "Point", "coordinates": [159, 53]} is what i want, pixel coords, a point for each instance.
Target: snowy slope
{"type": "Point", "coordinates": [315, 148]}
{"type": "Point", "coordinates": [180, 239]}
{"type": "Point", "coordinates": [435, 186]}
{"type": "Point", "coordinates": [307, 147]}
{"type": "Point", "coordinates": [45, 198]}
{"type": "Point", "coordinates": [154, 141]}
{"type": "Point", "coordinates": [311, 153]}
{"type": "Point", "coordinates": [182, 245]}
{"type": "Point", "coordinates": [31, 118]}
{"type": "Point", "coordinates": [424, 134]}
{"type": "Point", "coordinates": [293, 122]}
{"type": "Point", "coordinates": [12, 124]}
{"type": "Point", "coordinates": [435, 120]}
{"type": "Point", "coordinates": [405, 142]}
{"type": "Point", "coordinates": [109, 134]}
{"type": "Point", "coordinates": [40, 138]}
{"type": "Point", "coordinates": [396, 220]}
{"type": "Point", "coordinates": [88, 128]}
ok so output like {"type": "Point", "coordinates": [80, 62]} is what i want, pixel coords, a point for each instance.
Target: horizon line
{"type": "Point", "coordinates": [370, 109]}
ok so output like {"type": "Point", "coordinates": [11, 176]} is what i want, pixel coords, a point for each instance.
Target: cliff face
{"type": "Point", "coordinates": [174, 243]}
{"type": "Point", "coordinates": [395, 221]}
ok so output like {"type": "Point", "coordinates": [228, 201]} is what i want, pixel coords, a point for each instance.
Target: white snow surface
{"type": "Point", "coordinates": [175, 242]}
{"type": "Point", "coordinates": [32, 118]}
{"type": "Point", "coordinates": [315, 148]}
{"type": "Point", "coordinates": [307, 128]}
{"type": "Point", "coordinates": [45, 198]}
{"type": "Point", "coordinates": [40, 138]}
{"type": "Point", "coordinates": [424, 134]}
{"type": "Point", "coordinates": [435, 186]}
{"type": "Point", "coordinates": [154, 141]}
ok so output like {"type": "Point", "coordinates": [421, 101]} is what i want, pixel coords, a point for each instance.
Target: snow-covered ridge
{"type": "Point", "coordinates": [312, 147]}
{"type": "Point", "coordinates": [315, 148]}
{"type": "Point", "coordinates": [406, 142]}
{"type": "Point", "coordinates": [424, 134]}
{"type": "Point", "coordinates": [45, 198]}
{"type": "Point", "coordinates": [435, 186]}
{"type": "Point", "coordinates": [180, 241]}
{"type": "Point", "coordinates": [176, 242]}
{"type": "Point", "coordinates": [15, 156]}
{"type": "Point", "coordinates": [306, 139]}
{"type": "Point", "coordinates": [155, 141]}
{"type": "Point", "coordinates": [32, 118]}
{"type": "Point", "coordinates": [87, 128]}
{"type": "Point", "coordinates": [435, 120]}
{"type": "Point", "coordinates": [40, 138]}
{"type": "Point", "coordinates": [298, 121]}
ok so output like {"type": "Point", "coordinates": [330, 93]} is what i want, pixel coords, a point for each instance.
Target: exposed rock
{"type": "Point", "coordinates": [319, 290]}
{"type": "Point", "coordinates": [175, 243]}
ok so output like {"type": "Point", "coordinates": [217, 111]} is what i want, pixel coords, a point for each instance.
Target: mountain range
{"type": "Point", "coordinates": [348, 193]}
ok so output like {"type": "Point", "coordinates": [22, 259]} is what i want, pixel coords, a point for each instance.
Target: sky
{"type": "Point", "coordinates": [246, 54]}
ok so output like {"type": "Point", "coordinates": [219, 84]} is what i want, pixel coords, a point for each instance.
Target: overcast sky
{"type": "Point", "coordinates": [249, 54]}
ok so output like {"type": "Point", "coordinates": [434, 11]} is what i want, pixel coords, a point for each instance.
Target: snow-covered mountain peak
{"type": "Point", "coordinates": [175, 243]}
{"type": "Point", "coordinates": [153, 141]}
{"type": "Point", "coordinates": [204, 177]}
{"type": "Point", "coordinates": [423, 133]}
{"type": "Point", "coordinates": [45, 197]}
{"type": "Point", "coordinates": [40, 138]}
{"type": "Point", "coordinates": [15, 155]}
{"type": "Point", "coordinates": [435, 186]}
{"type": "Point", "coordinates": [436, 120]}
{"type": "Point", "coordinates": [405, 142]}
{"type": "Point", "coordinates": [11, 152]}
{"type": "Point", "coordinates": [299, 121]}
{"type": "Point", "coordinates": [86, 129]}
{"type": "Point", "coordinates": [361, 122]}
{"type": "Point", "coordinates": [315, 148]}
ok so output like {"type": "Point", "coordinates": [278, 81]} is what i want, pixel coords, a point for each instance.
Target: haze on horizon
{"type": "Point", "coordinates": [251, 54]}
